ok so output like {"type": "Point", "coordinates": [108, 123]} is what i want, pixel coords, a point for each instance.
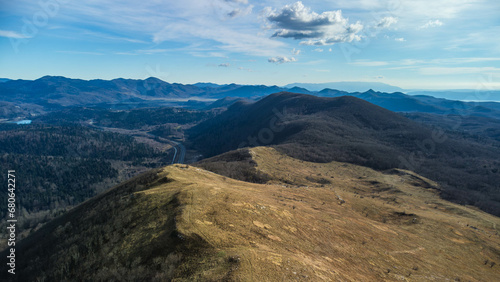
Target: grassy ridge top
{"type": "Point", "coordinates": [310, 221]}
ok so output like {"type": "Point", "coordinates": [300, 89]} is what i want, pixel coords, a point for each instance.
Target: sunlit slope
{"type": "Point", "coordinates": [311, 222]}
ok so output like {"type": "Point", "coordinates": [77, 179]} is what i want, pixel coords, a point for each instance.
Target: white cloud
{"type": "Point", "coordinates": [190, 21]}
{"type": "Point", "coordinates": [296, 52]}
{"type": "Point", "coordinates": [446, 9]}
{"type": "Point", "coordinates": [237, 1]}
{"type": "Point", "coordinates": [386, 22]}
{"type": "Point", "coordinates": [229, 39]}
{"type": "Point", "coordinates": [12, 34]}
{"type": "Point", "coordinates": [413, 9]}
{"type": "Point", "coordinates": [318, 50]}
{"type": "Point", "coordinates": [205, 54]}
{"type": "Point", "coordinates": [225, 65]}
{"type": "Point", "coordinates": [299, 22]}
{"type": "Point", "coordinates": [314, 63]}
{"type": "Point", "coordinates": [101, 35]}
{"type": "Point", "coordinates": [152, 51]}
{"type": "Point", "coordinates": [400, 39]}
{"type": "Point", "coordinates": [369, 63]}
{"type": "Point", "coordinates": [431, 23]}
{"type": "Point", "coordinates": [281, 60]}
{"type": "Point", "coordinates": [240, 12]}
{"type": "Point", "coordinates": [245, 69]}
{"type": "Point", "coordinates": [125, 53]}
{"type": "Point", "coordinates": [449, 61]}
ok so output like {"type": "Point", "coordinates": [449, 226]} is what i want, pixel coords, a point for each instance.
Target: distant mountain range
{"type": "Point", "coordinates": [348, 86]}
{"type": "Point", "coordinates": [22, 98]}
{"type": "Point", "coordinates": [462, 95]}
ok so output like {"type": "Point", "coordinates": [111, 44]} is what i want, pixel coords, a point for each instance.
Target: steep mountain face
{"type": "Point", "coordinates": [309, 221]}
{"type": "Point", "coordinates": [352, 130]}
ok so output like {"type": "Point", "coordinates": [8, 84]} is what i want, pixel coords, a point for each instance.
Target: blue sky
{"type": "Point", "coordinates": [438, 44]}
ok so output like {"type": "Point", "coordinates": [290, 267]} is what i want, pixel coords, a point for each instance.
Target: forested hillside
{"type": "Point", "coordinates": [58, 167]}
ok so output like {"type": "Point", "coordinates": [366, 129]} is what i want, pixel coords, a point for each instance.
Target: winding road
{"type": "Point", "coordinates": [180, 152]}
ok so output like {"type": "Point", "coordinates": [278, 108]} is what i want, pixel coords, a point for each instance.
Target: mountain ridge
{"type": "Point", "coordinates": [182, 222]}
{"type": "Point", "coordinates": [51, 93]}
{"type": "Point", "coordinates": [348, 86]}
{"type": "Point", "coordinates": [350, 129]}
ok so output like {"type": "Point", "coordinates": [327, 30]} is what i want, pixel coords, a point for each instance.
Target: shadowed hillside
{"type": "Point", "coordinates": [352, 130]}
{"type": "Point", "coordinates": [310, 221]}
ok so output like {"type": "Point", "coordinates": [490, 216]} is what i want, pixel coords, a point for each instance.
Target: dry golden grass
{"type": "Point", "coordinates": [311, 222]}
{"type": "Point", "coordinates": [334, 221]}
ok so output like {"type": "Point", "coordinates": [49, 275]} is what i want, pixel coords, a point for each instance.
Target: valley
{"type": "Point", "coordinates": [287, 186]}
{"type": "Point", "coordinates": [243, 140]}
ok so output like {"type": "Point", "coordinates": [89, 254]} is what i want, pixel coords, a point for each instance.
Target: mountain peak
{"type": "Point", "coordinates": [52, 78]}
{"type": "Point", "coordinates": [371, 91]}
{"type": "Point", "coordinates": [153, 79]}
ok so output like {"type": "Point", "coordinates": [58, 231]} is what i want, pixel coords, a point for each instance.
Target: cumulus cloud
{"type": "Point", "coordinates": [432, 23]}
{"type": "Point", "coordinates": [400, 39]}
{"type": "Point", "coordinates": [299, 22]}
{"type": "Point", "coordinates": [281, 60]}
{"type": "Point", "coordinates": [387, 22]}
{"type": "Point", "coordinates": [225, 65]}
{"type": "Point", "coordinates": [296, 52]}
{"type": "Point", "coordinates": [318, 50]}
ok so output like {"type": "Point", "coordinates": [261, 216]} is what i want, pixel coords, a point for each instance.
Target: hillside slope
{"type": "Point", "coordinates": [349, 129]}
{"type": "Point", "coordinates": [329, 221]}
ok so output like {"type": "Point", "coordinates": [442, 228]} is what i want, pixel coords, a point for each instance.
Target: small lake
{"type": "Point", "coordinates": [24, 121]}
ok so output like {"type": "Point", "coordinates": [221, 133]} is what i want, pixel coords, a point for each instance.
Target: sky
{"type": "Point", "coordinates": [413, 44]}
